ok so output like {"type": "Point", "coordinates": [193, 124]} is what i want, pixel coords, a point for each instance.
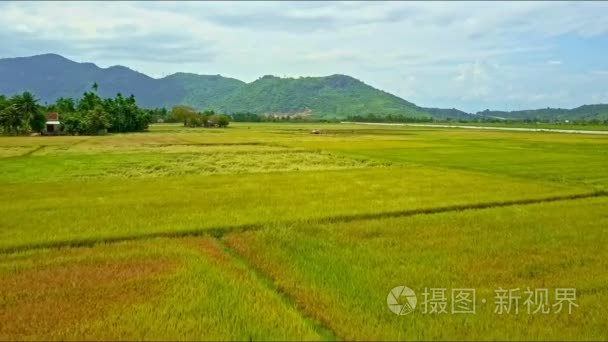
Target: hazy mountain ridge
{"type": "Point", "coordinates": [50, 76]}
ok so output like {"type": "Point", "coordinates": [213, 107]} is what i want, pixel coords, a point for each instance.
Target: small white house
{"type": "Point", "coordinates": [52, 125]}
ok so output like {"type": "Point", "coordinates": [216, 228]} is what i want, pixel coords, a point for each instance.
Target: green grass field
{"type": "Point", "coordinates": [267, 232]}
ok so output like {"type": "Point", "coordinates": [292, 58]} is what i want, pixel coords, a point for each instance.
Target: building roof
{"type": "Point", "coordinates": [53, 116]}
{"type": "Point", "coordinates": [53, 122]}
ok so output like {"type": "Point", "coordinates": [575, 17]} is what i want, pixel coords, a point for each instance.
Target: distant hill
{"type": "Point", "coordinates": [582, 113]}
{"type": "Point", "coordinates": [452, 114]}
{"type": "Point", "coordinates": [200, 91]}
{"type": "Point", "coordinates": [51, 76]}
{"type": "Point", "coordinates": [335, 96]}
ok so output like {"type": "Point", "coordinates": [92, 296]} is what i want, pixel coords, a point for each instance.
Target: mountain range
{"type": "Point", "coordinates": [51, 76]}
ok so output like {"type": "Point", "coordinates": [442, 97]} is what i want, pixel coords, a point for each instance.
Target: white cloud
{"type": "Point", "coordinates": [467, 54]}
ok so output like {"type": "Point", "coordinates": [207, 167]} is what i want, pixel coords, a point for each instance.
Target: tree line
{"type": "Point", "coordinates": [387, 118]}
{"type": "Point", "coordinates": [251, 117]}
{"type": "Point", "coordinates": [89, 115]}
{"type": "Point", "coordinates": [192, 118]}
{"type": "Point", "coordinates": [92, 115]}
{"type": "Point", "coordinates": [21, 114]}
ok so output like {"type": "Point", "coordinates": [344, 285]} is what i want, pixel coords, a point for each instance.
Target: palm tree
{"type": "Point", "coordinates": [11, 119]}
{"type": "Point", "coordinates": [95, 86]}
{"type": "Point", "coordinates": [27, 106]}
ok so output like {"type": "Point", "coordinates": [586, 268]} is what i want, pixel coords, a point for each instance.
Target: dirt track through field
{"type": "Point", "coordinates": [221, 231]}
{"type": "Point", "coordinates": [321, 328]}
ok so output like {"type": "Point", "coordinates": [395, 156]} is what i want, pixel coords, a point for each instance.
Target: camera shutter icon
{"type": "Point", "coordinates": [401, 300]}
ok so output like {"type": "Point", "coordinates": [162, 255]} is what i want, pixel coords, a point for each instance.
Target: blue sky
{"type": "Point", "coordinates": [468, 55]}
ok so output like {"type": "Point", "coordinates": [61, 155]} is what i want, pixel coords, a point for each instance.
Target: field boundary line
{"type": "Point", "coordinates": [252, 143]}
{"type": "Point", "coordinates": [40, 147]}
{"type": "Point", "coordinates": [326, 333]}
{"type": "Point", "coordinates": [456, 207]}
{"type": "Point", "coordinates": [220, 231]}
{"type": "Point", "coordinates": [27, 153]}
{"type": "Point", "coordinates": [91, 242]}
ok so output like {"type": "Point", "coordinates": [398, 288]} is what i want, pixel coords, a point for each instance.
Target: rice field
{"type": "Point", "coordinates": [268, 232]}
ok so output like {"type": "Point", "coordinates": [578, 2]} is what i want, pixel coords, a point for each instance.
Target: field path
{"type": "Point", "coordinates": [218, 232]}
{"type": "Point", "coordinates": [572, 131]}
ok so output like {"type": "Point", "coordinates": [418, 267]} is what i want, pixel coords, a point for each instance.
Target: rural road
{"type": "Point", "coordinates": [572, 131]}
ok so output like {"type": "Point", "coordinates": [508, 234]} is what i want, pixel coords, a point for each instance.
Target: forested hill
{"type": "Point", "coordinates": [199, 91]}
{"type": "Point", "coordinates": [52, 76]}
{"type": "Point", "coordinates": [592, 112]}
{"type": "Point", "coordinates": [331, 96]}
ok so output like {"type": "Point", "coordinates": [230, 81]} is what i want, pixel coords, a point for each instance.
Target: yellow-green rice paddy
{"type": "Point", "coordinates": [268, 232]}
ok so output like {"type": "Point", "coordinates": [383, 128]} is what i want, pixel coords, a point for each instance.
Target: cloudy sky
{"type": "Point", "coordinates": [468, 55]}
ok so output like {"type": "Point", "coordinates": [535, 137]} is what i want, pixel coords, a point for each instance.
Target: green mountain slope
{"type": "Point", "coordinates": [200, 91]}
{"type": "Point", "coordinates": [336, 96]}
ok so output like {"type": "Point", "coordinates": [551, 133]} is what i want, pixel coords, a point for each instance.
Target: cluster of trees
{"type": "Point", "coordinates": [92, 115]}
{"type": "Point", "coordinates": [293, 118]}
{"type": "Point", "coordinates": [252, 117]}
{"type": "Point", "coordinates": [88, 115]}
{"type": "Point", "coordinates": [21, 114]}
{"type": "Point", "coordinates": [159, 115]}
{"type": "Point", "coordinates": [245, 117]}
{"type": "Point", "coordinates": [191, 118]}
{"type": "Point", "coordinates": [387, 118]}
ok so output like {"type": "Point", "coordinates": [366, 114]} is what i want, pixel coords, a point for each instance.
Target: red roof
{"type": "Point", "coordinates": [52, 116]}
